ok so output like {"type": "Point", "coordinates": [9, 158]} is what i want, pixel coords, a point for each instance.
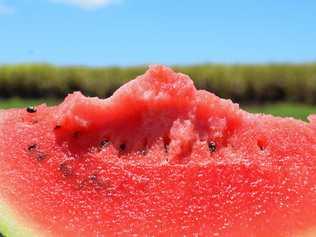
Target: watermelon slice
{"type": "Point", "coordinates": [158, 158]}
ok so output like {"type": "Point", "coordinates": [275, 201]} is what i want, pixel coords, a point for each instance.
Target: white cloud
{"type": "Point", "coordinates": [86, 4]}
{"type": "Point", "coordinates": [6, 9]}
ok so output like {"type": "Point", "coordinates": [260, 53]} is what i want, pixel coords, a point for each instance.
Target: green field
{"type": "Point", "coordinates": [300, 111]}
{"type": "Point", "coordinates": [262, 83]}
{"type": "Point", "coordinates": [20, 103]}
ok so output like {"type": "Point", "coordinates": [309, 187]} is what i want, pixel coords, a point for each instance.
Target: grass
{"type": "Point", "coordinates": [242, 83]}
{"type": "Point", "coordinates": [21, 103]}
{"type": "Point", "coordinates": [299, 111]}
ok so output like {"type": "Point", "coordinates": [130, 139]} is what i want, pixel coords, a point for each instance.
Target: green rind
{"type": "Point", "coordinates": [11, 226]}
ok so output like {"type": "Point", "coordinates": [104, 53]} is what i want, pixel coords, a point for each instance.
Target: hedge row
{"type": "Point", "coordinates": [242, 83]}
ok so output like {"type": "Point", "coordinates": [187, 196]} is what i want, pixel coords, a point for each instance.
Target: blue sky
{"type": "Point", "coordinates": [130, 32]}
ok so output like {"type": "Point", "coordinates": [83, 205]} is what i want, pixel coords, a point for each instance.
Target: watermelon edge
{"type": "Point", "coordinates": [12, 226]}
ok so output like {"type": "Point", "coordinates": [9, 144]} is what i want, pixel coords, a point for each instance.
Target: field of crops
{"type": "Point", "coordinates": [242, 83]}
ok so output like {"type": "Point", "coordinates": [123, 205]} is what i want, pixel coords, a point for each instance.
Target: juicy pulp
{"type": "Point", "coordinates": [158, 158]}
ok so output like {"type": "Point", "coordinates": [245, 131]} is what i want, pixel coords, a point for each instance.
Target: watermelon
{"type": "Point", "coordinates": [158, 158]}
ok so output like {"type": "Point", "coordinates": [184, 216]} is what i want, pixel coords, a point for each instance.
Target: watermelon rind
{"type": "Point", "coordinates": [12, 226]}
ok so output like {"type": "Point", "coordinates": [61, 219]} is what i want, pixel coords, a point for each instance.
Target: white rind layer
{"type": "Point", "coordinates": [12, 226]}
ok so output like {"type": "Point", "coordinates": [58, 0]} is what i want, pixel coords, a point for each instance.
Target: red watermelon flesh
{"type": "Point", "coordinates": [158, 158]}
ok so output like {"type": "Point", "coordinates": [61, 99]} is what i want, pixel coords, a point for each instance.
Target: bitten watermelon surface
{"type": "Point", "coordinates": [158, 158]}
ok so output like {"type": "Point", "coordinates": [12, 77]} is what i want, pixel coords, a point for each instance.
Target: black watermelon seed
{"type": "Point", "coordinates": [40, 157]}
{"type": "Point", "coordinates": [35, 153]}
{"type": "Point", "coordinates": [93, 178]}
{"type": "Point", "coordinates": [166, 142]}
{"type": "Point", "coordinates": [31, 109]}
{"type": "Point", "coordinates": [32, 147]}
{"type": "Point", "coordinates": [104, 143]}
{"type": "Point", "coordinates": [123, 147]}
{"type": "Point", "coordinates": [211, 146]}
{"type": "Point", "coordinates": [57, 127]}
{"type": "Point", "coordinates": [65, 169]}
{"type": "Point", "coordinates": [261, 144]}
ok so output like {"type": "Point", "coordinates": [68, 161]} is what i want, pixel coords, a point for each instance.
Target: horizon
{"type": "Point", "coordinates": [312, 63]}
